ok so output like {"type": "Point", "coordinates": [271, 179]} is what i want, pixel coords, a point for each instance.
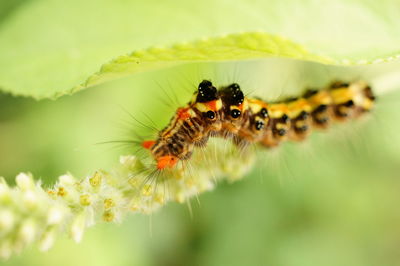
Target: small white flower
{"type": "Point", "coordinates": [55, 215]}
{"type": "Point", "coordinates": [47, 240]}
{"type": "Point", "coordinates": [27, 231]}
{"type": "Point", "coordinates": [7, 220]}
{"type": "Point", "coordinates": [4, 190]}
{"type": "Point", "coordinates": [66, 180]}
{"type": "Point", "coordinates": [30, 199]}
{"type": "Point", "coordinates": [24, 182]}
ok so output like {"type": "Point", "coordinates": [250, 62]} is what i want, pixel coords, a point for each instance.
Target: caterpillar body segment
{"type": "Point", "coordinates": [321, 107]}
{"type": "Point", "coordinates": [258, 121]}
{"type": "Point", "coordinates": [226, 112]}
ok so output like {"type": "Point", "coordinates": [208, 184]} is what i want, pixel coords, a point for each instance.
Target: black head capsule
{"type": "Point", "coordinates": [237, 95]}
{"type": "Point", "coordinates": [206, 92]}
{"type": "Point", "coordinates": [232, 95]}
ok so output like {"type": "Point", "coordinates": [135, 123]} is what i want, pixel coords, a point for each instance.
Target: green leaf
{"type": "Point", "coordinates": [49, 48]}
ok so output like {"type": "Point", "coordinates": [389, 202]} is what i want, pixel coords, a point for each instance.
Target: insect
{"type": "Point", "coordinates": [227, 113]}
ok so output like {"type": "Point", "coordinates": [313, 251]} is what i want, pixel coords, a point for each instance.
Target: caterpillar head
{"type": "Point", "coordinates": [206, 92]}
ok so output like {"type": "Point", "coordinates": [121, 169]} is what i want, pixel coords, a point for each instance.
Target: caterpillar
{"type": "Point", "coordinates": [226, 112]}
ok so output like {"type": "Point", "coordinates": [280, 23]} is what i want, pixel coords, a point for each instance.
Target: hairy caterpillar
{"type": "Point", "coordinates": [226, 112]}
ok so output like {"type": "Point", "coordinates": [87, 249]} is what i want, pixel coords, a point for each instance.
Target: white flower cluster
{"type": "Point", "coordinates": [30, 213]}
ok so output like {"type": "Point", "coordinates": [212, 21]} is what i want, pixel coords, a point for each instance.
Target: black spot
{"type": "Point", "coordinates": [303, 115]}
{"type": "Point", "coordinates": [302, 128]}
{"type": "Point", "coordinates": [264, 113]}
{"type": "Point", "coordinates": [285, 118]}
{"type": "Point", "coordinates": [369, 94]}
{"type": "Point", "coordinates": [259, 125]}
{"type": "Point", "coordinates": [339, 84]}
{"type": "Point", "coordinates": [349, 103]}
{"type": "Point", "coordinates": [291, 99]}
{"type": "Point", "coordinates": [323, 120]}
{"type": "Point", "coordinates": [310, 93]}
{"type": "Point", "coordinates": [206, 92]}
{"type": "Point", "coordinates": [321, 108]}
{"type": "Point", "coordinates": [210, 114]}
{"type": "Point", "coordinates": [235, 113]}
{"type": "Point", "coordinates": [281, 132]}
{"type": "Point", "coordinates": [172, 147]}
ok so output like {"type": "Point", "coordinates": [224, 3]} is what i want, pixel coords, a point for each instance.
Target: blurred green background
{"type": "Point", "coordinates": [332, 200]}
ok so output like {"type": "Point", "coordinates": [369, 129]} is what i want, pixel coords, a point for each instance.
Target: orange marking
{"type": "Point", "coordinates": [183, 113]}
{"type": "Point", "coordinates": [147, 144]}
{"type": "Point", "coordinates": [166, 161]}
{"type": "Point", "coordinates": [212, 105]}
